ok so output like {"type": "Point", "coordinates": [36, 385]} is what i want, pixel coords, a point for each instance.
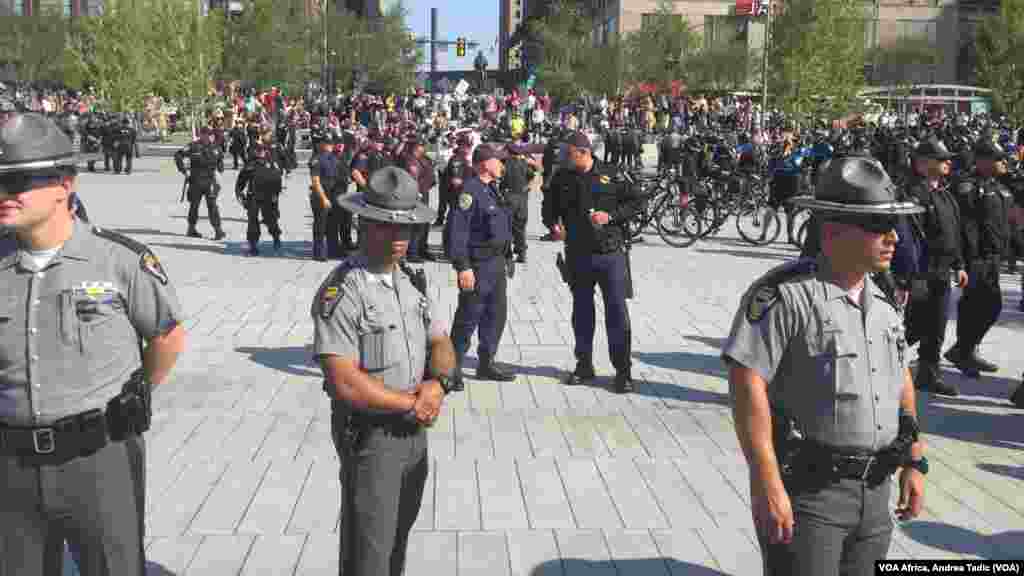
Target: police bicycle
{"type": "Point", "coordinates": [663, 206]}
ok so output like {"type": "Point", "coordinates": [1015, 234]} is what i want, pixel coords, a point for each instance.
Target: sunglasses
{"type": "Point", "coordinates": [873, 224]}
{"type": "Point", "coordinates": [20, 182]}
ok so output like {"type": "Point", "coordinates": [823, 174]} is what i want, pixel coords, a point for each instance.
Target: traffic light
{"type": "Point", "coordinates": [460, 47]}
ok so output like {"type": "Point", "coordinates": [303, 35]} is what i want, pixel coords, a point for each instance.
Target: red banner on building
{"type": "Point", "coordinates": [746, 7]}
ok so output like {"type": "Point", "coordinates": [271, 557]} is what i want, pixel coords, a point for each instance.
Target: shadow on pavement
{"type": "Point", "coordinates": [748, 254]}
{"type": "Point", "coordinates": [1016, 472]}
{"type": "Point", "coordinates": [1002, 545]}
{"type": "Point", "coordinates": [978, 417]}
{"type": "Point", "coordinates": [710, 365]}
{"type": "Point", "coordinates": [292, 249]}
{"type": "Point", "coordinates": [673, 391]}
{"type": "Point", "coordinates": [295, 360]}
{"type": "Point", "coordinates": [632, 567]}
{"type": "Point", "coordinates": [206, 219]}
{"type": "Point", "coordinates": [145, 232]}
{"type": "Point", "coordinates": [709, 341]}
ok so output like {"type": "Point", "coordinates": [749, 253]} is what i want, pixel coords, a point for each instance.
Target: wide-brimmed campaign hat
{"type": "Point", "coordinates": [33, 142]}
{"type": "Point", "coordinates": [392, 196]}
{"type": "Point", "coordinates": [856, 185]}
{"type": "Point", "coordinates": [933, 148]}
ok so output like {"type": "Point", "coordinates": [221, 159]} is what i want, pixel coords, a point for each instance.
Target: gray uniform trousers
{"type": "Point", "coordinates": [383, 476]}
{"type": "Point", "coordinates": [96, 502]}
{"type": "Point", "coordinates": [841, 528]}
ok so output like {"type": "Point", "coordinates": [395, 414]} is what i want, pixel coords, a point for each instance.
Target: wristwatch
{"type": "Point", "coordinates": [921, 464]}
{"type": "Point", "coordinates": [446, 383]}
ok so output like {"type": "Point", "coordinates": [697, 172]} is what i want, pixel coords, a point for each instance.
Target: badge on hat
{"type": "Point", "coordinates": [605, 180]}
{"type": "Point", "coordinates": [465, 201]}
{"type": "Point", "coordinates": [151, 264]}
{"type": "Point", "coordinates": [763, 299]}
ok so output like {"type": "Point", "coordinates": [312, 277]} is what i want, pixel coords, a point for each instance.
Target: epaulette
{"type": "Point", "coordinates": [148, 261]}
{"type": "Point", "coordinates": [765, 293]}
{"type": "Point", "coordinates": [330, 295]}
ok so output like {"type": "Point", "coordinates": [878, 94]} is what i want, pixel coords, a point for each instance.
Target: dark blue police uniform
{"type": "Point", "coordinates": [480, 238]}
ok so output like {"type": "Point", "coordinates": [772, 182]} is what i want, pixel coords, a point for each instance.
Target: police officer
{"type": "Point", "coordinates": [124, 146]}
{"type": "Point", "coordinates": [204, 161]}
{"type": "Point", "coordinates": [520, 169]}
{"type": "Point", "coordinates": [422, 170]}
{"type": "Point", "coordinates": [822, 397]}
{"type": "Point", "coordinates": [386, 360]}
{"type": "Point", "coordinates": [670, 151]}
{"type": "Point", "coordinates": [458, 170]}
{"type": "Point", "coordinates": [262, 176]}
{"type": "Point", "coordinates": [109, 141]}
{"type": "Point", "coordinates": [588, 207]}
{"type": "Point", "coordinates": [80, 309]}
{"type": "Point", "coordinates": [480, 230]}
{"type": "Point", "coordinates": [328, 183]}
{"type": "Point", "coordinates": [238, 142]}
{"type": "Point", "coordinates": [984, 208]}
{"type": "Point", "coordinates": [941, 258]}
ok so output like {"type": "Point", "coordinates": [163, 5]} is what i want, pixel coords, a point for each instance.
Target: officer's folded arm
{"type": "Point", "coordinates": [753, 418]}
{"type": "Point", "coordinates": [161, 353]}
{"type": "Point", "coordinates": [359, 390]}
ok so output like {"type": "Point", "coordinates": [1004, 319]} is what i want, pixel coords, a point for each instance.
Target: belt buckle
{"type": "Point", "coordinates": [868, 467]}
{"type": "Point", "coordinates": [43, 441]}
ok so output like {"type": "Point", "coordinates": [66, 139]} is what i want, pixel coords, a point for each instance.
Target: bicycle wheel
{"type": "Point", "coordinates": [758, 225]}
{"type": "Point", "coordinates": [678, 226]}
{"type": "Point", "coordinates": [797, 223]}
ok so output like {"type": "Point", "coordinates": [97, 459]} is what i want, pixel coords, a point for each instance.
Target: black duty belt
{"type": "Point", "coordinates": [850, 464]}
{"type": "Point", "coordinates": [395, 424]}
{"type": "Point", "coordinates": [486, 252]}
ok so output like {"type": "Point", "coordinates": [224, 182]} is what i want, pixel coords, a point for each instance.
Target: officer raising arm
{"type": "Point", "coordinates": [88, 324]}
{"type": "Point", "coordinates": [822, 396]}
{"type": "Point", "coordinates": [386, 361]}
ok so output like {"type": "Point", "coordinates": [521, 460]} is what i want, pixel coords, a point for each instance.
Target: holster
{"type": "Point", "coordinates": [131, 411]}
{"type": "Point", "coordinates": [563, 269]}
{"type": "Point", "coordinates": [788, 440]}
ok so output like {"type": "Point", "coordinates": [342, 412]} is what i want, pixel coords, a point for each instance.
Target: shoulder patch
{"type": "Point", "coordinates": [465, 201]}
{"type": "Point", "coordinates": [330, 295]}
{"type": "Point", "coordinates": [148, 261]}
{"type": "Point", "coordinates": [765, 292]}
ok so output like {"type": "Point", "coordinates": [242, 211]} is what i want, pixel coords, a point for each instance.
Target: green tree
{"type": "Point", "coordinates": [816, 57]}
{"type": "Point", "coordinates": [725, 67]}
{"type": "Point", "coordinates": [105, 52]}
{"type": "Point", "coordinates": [563, 37]}
{"type": "Point", "coordinates": [602, 72]}
{"type": "Point", "coordinates": [268, 43]}
{"type": "Point", "coordinates": [659, 51]}
{"type": "Point", "coordinates": [185, 47]}
{"type": "Point", "coordinates": [999, 41]}
{"type": "Point", "coordinates": [34, 44]}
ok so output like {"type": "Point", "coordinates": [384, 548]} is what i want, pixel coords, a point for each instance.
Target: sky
{"type": "Point", "coordinates": [476, 20]}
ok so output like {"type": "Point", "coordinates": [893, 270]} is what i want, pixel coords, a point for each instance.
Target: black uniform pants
{"type": "Point", "coordinates": [237, 153]}
{"type": "Point", "coordinates": [339, 231]}
{"type": "Point", "coordinates": [319, 225]}
{"type": "Point", "coordinates": [383, 475]}
{"type": "Point", "coordinates": [95, 502]}
{"type": "Point", "coordinates": [927, 316]}
{"type": "Point", "coordinates": [520, 217]}
{"type": "Point", "coordinates": [266, 207]}
{"type": "Point", "coordinates": [841, 528]}
{"type": "Point", "coordinates": [444, 202]}
{"type": "Point", "coordinates": [123, 158]}
{"type": "Point", "coordinates": [609, 272]}
{"type": "Point", "coordinates": [980, 305]}
{"type": "Point", "coordinates": [196, 193]}
{"type": "Point", "coordinates": [485, 307]}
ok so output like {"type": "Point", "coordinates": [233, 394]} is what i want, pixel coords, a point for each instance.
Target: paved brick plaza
{"type": "Point", "coordinates": [528, 477]}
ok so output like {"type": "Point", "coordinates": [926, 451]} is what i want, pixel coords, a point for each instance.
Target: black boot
{"type": "Point", "coordinates": [277, 243]}
{"type": "Point", "coordinates": [982, 364]}
{"type": "Point", "coordinates": [1018, 396]}
{"type": "Point", "coordinates": [487, 370]}
{"type": "Point", "coordinates": [583, 373]}
{"type": "Point", "coordinates": [962, 362]}
{"type": "Point", "coordinates": [193, 233]}
{"type": "Point", "coordinates": [623, 382]}
{"type": "Point", "coordinates": [929, 378]}
{"type": "Point", "coordinates": [457, 382]}
{"type": "Point", "coordinates": [220, 235]}
{"type": "Point", "coordinates": [254, 249]}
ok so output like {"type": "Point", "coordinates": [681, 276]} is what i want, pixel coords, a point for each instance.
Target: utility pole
{"type": "Point", "coordinates": [323, 63]}
{"type": "Point", "coordinates": [764, 65]}
{"type": "Point", "coordinates": [435, 44]}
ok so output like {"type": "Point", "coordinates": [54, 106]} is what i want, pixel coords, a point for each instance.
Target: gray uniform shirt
{"type": "Point", "coordinates": [836, 366]}
{"type": "Point", "coordinates": [69, 333]}
{"type": "Point", "coordinates": [384, 324]}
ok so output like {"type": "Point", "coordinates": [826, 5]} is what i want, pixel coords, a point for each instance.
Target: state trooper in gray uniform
{"type": "Point", "coordinates": [822, 397]}
{"type": "Point", "coordinates": [386, 359]}
{"type": "Point", "coordinates": [88, 325]}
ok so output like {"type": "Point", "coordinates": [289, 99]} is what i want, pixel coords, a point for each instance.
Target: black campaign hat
{"type": "Point", "coordinates": [933, 148]}
{"type": "Point", "coordinates": [985, 148]}
{"type": "Point", "coordinates": [391, 196]}
{"type": "Point", "coordinates": [33, 142]}
{"type": "Point", "coordinates": [856, 185]}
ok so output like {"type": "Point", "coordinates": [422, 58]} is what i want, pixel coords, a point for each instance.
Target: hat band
{"type": "Point", "coordinates": [37, 165]}
{"type": "Point", "coordinates": [408, 214]}
{"type": "Point", "coordinates": [886, 208]}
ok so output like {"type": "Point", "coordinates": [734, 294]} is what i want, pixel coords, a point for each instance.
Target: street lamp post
{"type": "Point", "coordinates": [323, 25]}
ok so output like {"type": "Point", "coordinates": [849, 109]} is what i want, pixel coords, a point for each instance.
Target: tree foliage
{"type": "Point", "coordinates": [564, 38]}
{"type": "Point", "coordinates": [267, 44]}
{"type": "Point", "coordinates": [999, 42]}
{"type": "Point", "coordinates": [185, 47]}
{"type": "Point", "coordinates": [658, 52]}
{"type": "Point", "coordinates": [725, 67]}
{"type": "Point", "coordinates": [602, 73]}
{"type": "Point", "coordinates": [34, 44]}
{"type": "Point", "coordinates": [817, 57]}
{"type": "Point", "coordinates": [901, 62]}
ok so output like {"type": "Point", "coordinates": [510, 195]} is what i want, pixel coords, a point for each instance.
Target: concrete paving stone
{"type": "Point", "coordinates": [734, 468]}
{"type": "Point", "coordinates": [732, 550]}
{"type": "Point", "coordinates": [655, 438]}
{"type": "Point", "coordinates": [273, 555]}
{"type": "Point", "coordinates": [230, 499]}
{"type": "Point", "coordinates": [995, 512]}
{"type": "Point", "coordinates": [501, 496]}
{"type": "Point", "coordinates": [473, 435]}
{"type": "Point", "coordinates": [681, 505]}
{"type": "Point", "coordinates": [635, 552]}
{"type": "Point", "coordinates": [636, 505]}
{"type": "Point", "coordinates": [286, 436]}
{"type": "Point", "coordinates": [319, 555]}
{"type": "Point", "coordinates": [173, 553]}
{"type": "Point", "coordinates": [716, 494]}
{"type": "Point", "coordinates": [205, 442]}
{"type": "Point", "coordinates": [485, 396]}
{"type": "Point", "coordinates": [591, 503]}
{"type": "Point", "coordinates": [426, 516]}
{"type": "Point", "coordinates": [547, 504]}
{"type": "Point", "coordinates": [275, 497]}
{"type": "Point", "coordinates": [219, 555]}
{"type": "Point", "coordinates": [441, 435]}
{"type": "Point", "coordinates": [533, 553]}
{"type": "Point", "coordinates": [317, 443]}
{"type": "Point", "coordinates": [509, 434]}
{"type": "Point", "coordinates": [483, 554]}
{"type": "Point", "coordinates": [518, 395]}
{"type": "Point", "coordinates": [545, 432]}
{"type": "Point", "coordinates": [683, 551]}
{"type": "Point", "coordinates": [687, 433]}
{"type": "Point", "coordinates": [176, 509]}
{"type": "Point", "coordinates": [549, 333]}
{"type": "Point", "coordinates": [581, 434]}
{"type": "Point", "coordinates": [319, 503]}
{"type": "Point", "coordinates": [432, 554]}
{"type": "Point", "coordinates": [457, 495]}
{"type": "Point", "coordinates": [619, 436]}
{"type": "Point", "coordinates": [585, 553]}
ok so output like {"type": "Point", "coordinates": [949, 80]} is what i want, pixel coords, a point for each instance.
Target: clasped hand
{"type": "Point", "coordinates": [429, 395]}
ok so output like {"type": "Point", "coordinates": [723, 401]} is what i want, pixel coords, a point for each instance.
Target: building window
{"type": "Point", "coordinates": [68, 8]}
{"type": "Point", "coordinates": [19, 7]}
